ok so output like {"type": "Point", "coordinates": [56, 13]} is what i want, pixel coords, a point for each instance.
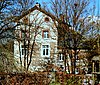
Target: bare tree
{"type": "Point", "coordinates": [73, 25]}
{"type": "Point", "coordinates": [6, 34]}
{"type": "Point", "coordinates": [10, 13]}
{"type": "Point", "coordinates": [6, 27]}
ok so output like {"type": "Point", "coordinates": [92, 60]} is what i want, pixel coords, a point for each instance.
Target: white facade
{"type": "Point", "coordinates": [41, 30]}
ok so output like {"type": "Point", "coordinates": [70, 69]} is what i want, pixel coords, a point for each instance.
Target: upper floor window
{"type": "Point", "coordinates": [45, 50]}
{"type": "Point", "coordinates": [45, 34]}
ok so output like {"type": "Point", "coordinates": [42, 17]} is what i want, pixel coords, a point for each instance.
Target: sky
{"type": "Point", "coordinates": [93, 2]}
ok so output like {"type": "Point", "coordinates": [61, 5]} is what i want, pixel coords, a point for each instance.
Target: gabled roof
{"type": "Point", "coordinates": [36, 8]}
{"type": "Point", "coordinates": [54, 18]}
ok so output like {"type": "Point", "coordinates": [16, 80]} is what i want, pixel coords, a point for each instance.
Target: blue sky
{"type": "Point", "coordinates": [93, 2]}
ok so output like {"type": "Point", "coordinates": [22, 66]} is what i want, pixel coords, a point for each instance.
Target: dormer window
{"type": "Point", "coordinates": [46, 19]}
{"type": "Point", "coordinates": [45, 34]}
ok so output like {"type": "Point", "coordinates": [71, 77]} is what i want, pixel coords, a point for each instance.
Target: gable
{"type": "Point", "coordinates": [30, 11]}
{"type": "Point", "coordinates": [36, 17]}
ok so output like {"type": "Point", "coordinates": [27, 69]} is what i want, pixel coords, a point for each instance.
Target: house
{"type": "Point", "coordinates": [36, 42]}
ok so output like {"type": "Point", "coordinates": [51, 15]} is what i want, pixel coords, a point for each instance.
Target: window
{"type": "Point", "coordinates": [45, 50]}
{"type": "Point", "coordinates": [46, 19]}
{"type": "Point", "coordinates": [45, 34]}
{"type": "Point", "coordinates": [24, 49]}
{"type": "Point", "coordinates": [61, 57]}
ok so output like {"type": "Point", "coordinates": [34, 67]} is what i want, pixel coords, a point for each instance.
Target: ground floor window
{"type": "Point", "coordinates": [24, 49]}
{"type": "Point", "coordinates": [45, 50]}
{"type": "Point", "coordinates": [61, 57]}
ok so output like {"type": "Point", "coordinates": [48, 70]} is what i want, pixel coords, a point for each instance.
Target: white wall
{"type": "Point", "coordinates": [37, 19]}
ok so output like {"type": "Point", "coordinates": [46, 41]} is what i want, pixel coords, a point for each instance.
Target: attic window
{"type": "Point", "coordinates": [46, 19]}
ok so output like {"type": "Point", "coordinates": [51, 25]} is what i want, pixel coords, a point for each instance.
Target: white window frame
{"type": "Point", "coordinates": [61, 57]}
{"type": "Point", "coordinates": [45, 49]}
{"type": "Point", "coordinates": [45, 34]}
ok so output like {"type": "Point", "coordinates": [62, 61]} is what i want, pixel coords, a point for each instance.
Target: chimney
{"type": "Point", "coordinates": [37, 4]}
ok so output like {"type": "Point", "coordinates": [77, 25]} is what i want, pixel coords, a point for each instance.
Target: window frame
{"type": "Point", "coordinates": [44, 50]}
{"type": "Point", "coordinates": [46, 19]}
{"type": "Point", "coordinates": [60, 57]}
{"type": "Point", "coordinates": [45, 34]}
{"type": "Point", "coordinates": [24, 49]}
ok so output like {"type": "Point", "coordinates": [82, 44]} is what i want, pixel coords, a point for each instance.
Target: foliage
{"type": "Point", "coordinates": [62, 78]}
{"type": "Point", "coordinates": [7, 61]}
{"type": "Point", "coordinates": [92, 47]}
{"type": "Point", "coordinates": [36, 78]}
{"type": "Point", "coordinates": [41, 78]}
